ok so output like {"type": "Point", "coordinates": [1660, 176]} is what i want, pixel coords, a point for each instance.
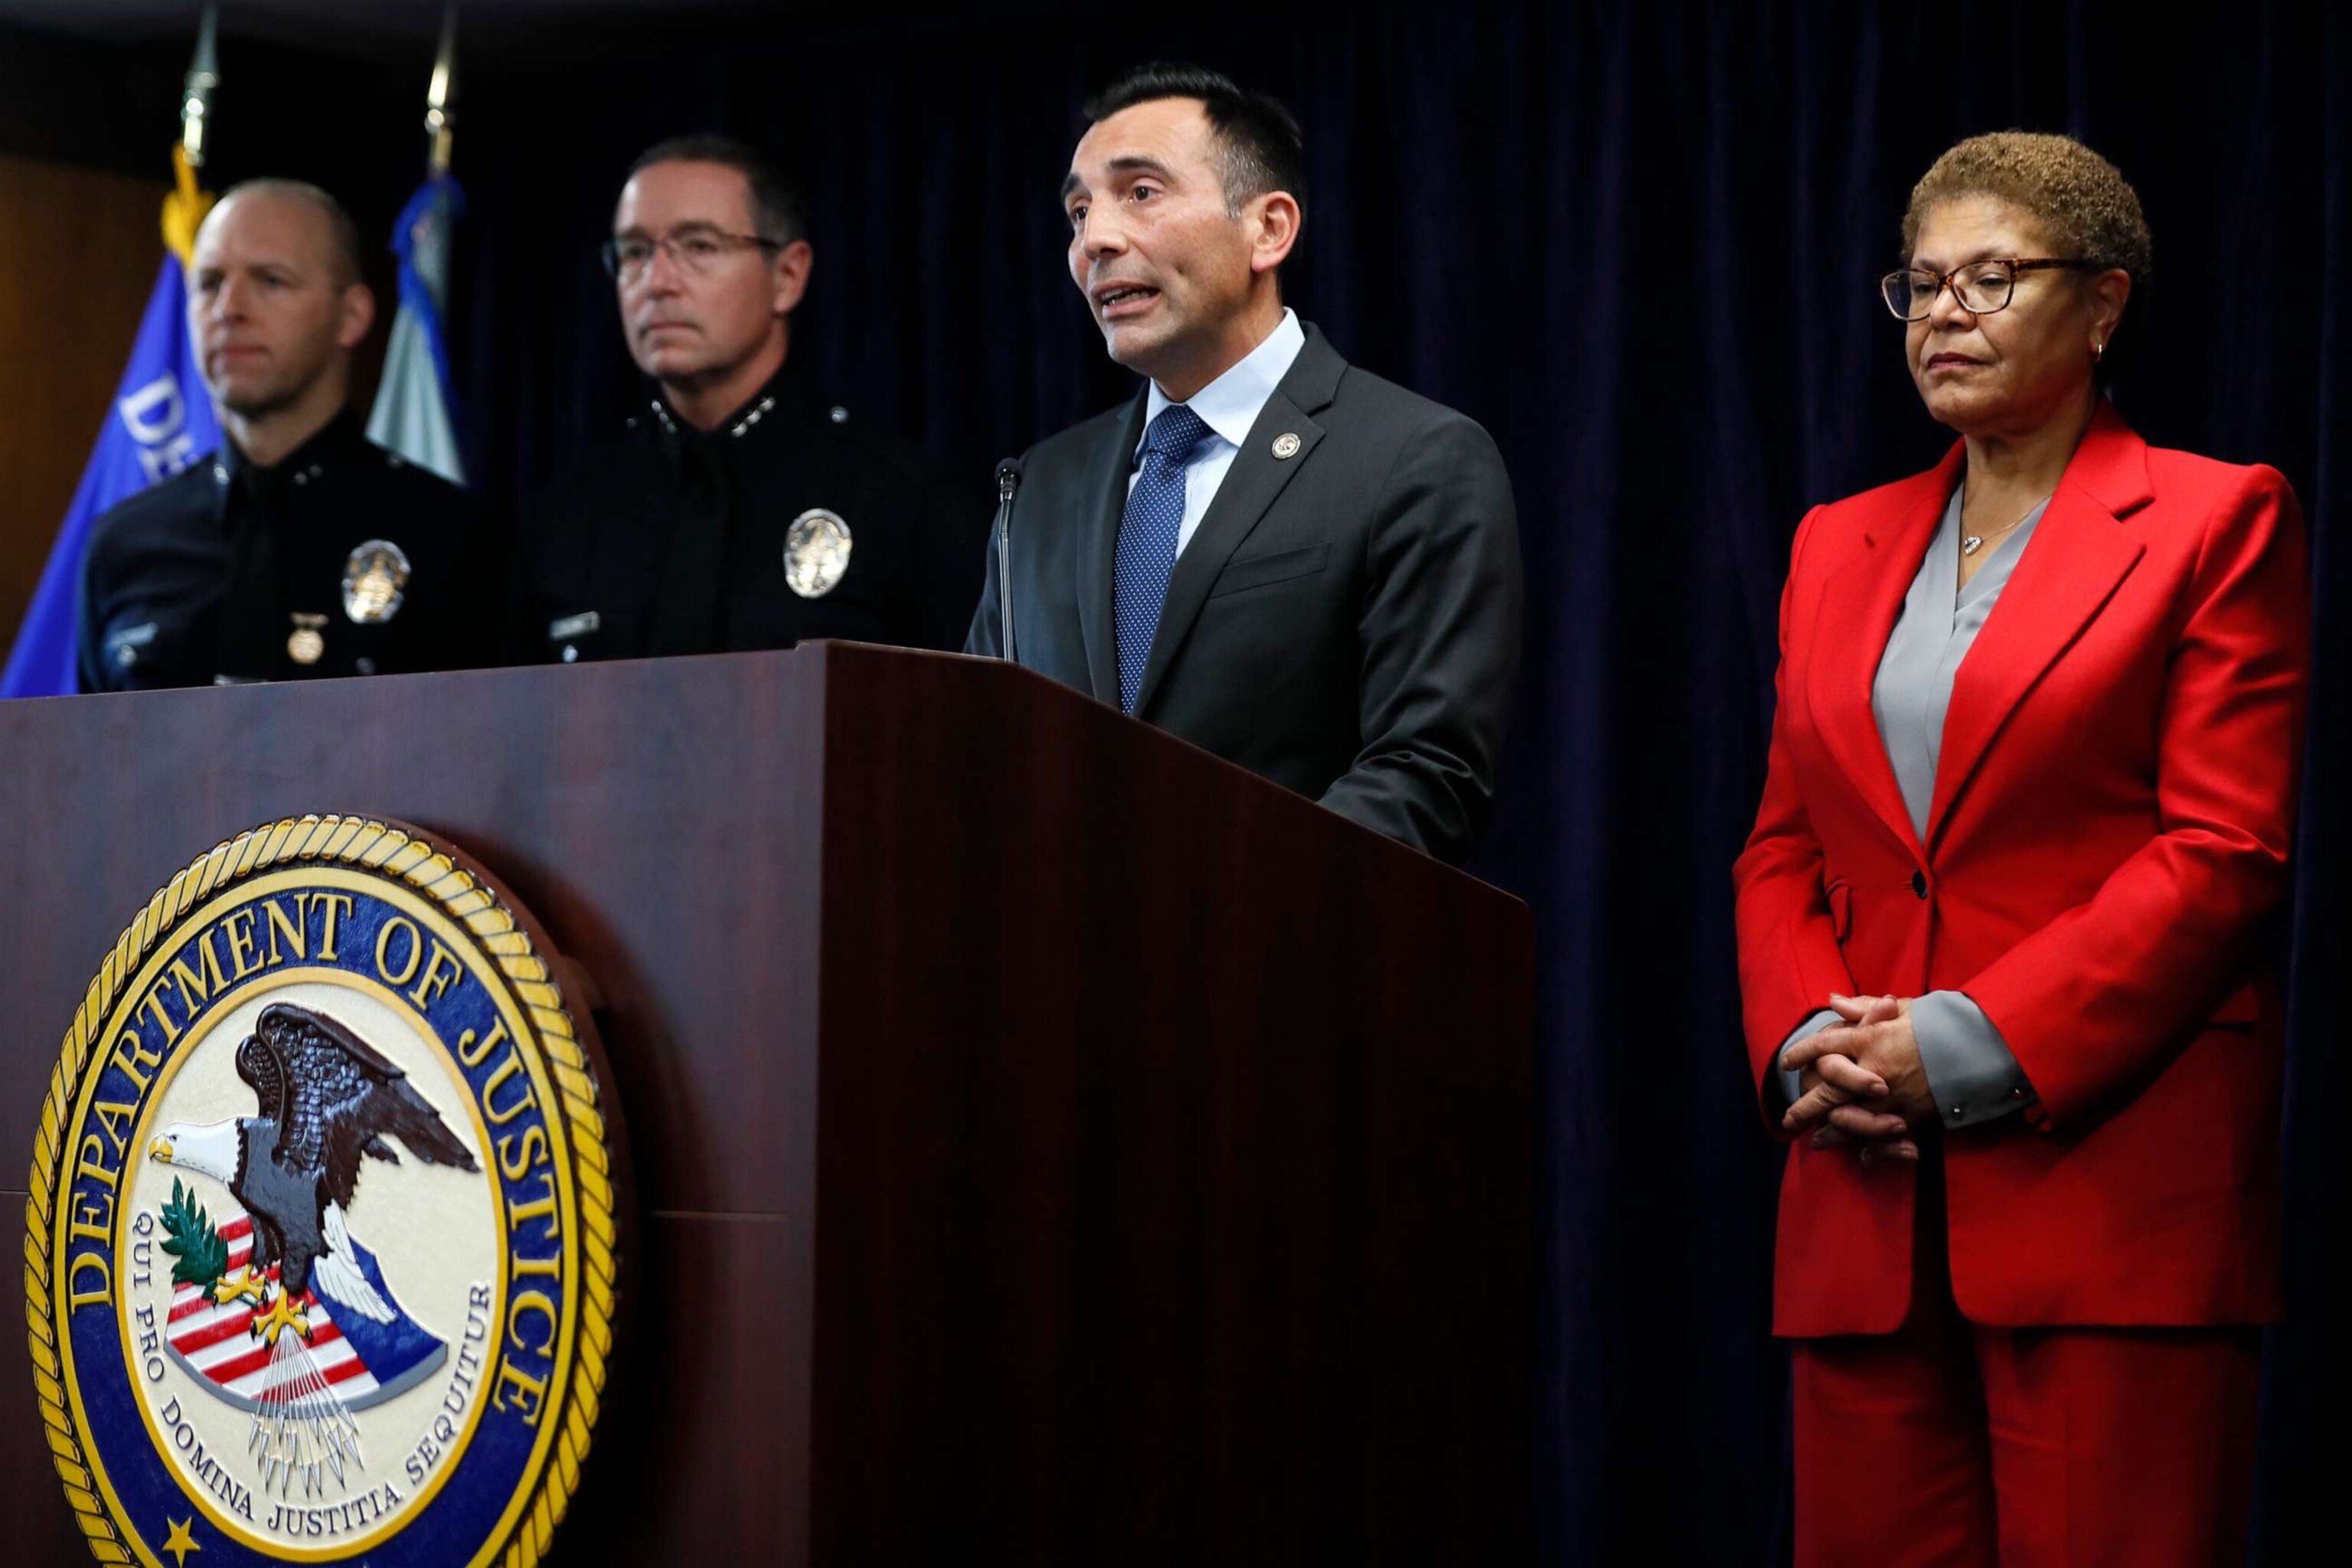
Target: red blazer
{"type": "Point", "coordinates": [2109, 829]}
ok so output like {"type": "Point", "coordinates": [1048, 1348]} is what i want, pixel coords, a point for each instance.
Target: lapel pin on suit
{"type": "Point", "coordinates": [1285, 446]}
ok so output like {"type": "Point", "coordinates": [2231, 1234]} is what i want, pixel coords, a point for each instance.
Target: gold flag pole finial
{"type": "Point", "coordinates": [185, 207]}
{"type": "Point", "coordinates": [439, 116]}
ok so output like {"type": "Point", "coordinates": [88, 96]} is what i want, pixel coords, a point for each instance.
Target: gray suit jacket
{"type": "Point", "coordinates": [1344, 621]}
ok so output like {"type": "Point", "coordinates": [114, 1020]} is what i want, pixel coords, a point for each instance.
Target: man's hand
{"type": "Point", "coordinates": [1861, 1081]}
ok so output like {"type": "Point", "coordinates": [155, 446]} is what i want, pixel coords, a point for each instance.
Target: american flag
{"type": "Point", "coordinates": [216, 1341]}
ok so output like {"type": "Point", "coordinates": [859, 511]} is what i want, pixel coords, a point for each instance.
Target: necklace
{"type": "Point", "coordinates": [1973, 542]}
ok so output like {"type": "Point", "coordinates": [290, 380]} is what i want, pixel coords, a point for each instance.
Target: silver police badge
{"type": "Point", "coordinates": [816, 553]}
{"type": "Point", "coordinates": [376, 582]}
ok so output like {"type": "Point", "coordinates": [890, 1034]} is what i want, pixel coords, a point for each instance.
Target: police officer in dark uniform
{"type": "Point", "coordinates": [298, 549]}
{"type": "Point", "coordinates": [740, 511]}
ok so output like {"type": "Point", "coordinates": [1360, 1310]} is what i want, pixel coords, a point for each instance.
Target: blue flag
{"type": "Point", "coordinates": [413, 404]}
{"type": "Point", "coordinates": [161, 422]}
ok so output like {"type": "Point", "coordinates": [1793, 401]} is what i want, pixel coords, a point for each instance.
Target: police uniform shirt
{"type": "Point", "coordinates": [786, 522]}
{"type": "Point", "coordinates": [339, 560]}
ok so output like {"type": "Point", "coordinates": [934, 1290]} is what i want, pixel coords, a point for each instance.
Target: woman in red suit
{"type": "Point", "coordinates": [2000, 927]}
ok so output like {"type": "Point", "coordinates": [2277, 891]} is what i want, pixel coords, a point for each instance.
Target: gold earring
{"type": "Point", "coordinates": [2098, 351]}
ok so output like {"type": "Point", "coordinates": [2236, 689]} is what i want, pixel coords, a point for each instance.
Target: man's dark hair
{"type": "Point", "coordinates": [776, 206]}
{"type": "Point", "coordinates": [1259, 146]}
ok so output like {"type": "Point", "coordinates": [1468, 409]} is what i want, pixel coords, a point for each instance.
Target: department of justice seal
{"type": "Point", "coordinates": [321, 1241]}
{"type": "Point", "coordinates": [816, 553]}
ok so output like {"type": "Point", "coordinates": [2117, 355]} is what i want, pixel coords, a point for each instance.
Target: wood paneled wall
{"type": "Point", "coordinates": [82, 247]}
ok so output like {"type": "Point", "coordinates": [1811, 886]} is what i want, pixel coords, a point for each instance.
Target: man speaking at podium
{"type": "Point", "coordinates": [1280, 558]}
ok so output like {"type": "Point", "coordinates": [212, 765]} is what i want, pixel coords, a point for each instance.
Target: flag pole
{"type": "Point", "coordinates": [197, 95]}
{"type": "Point", "coordinates": [186, 207]}
{"type": "Point", "coordinates": [413, 402]}
{"type": "Point", "coordinates": [439, 116]}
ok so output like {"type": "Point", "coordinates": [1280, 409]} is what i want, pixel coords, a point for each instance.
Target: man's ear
{"type": "Point", "coordinates": [358, 316]}
{"type": "Point", "coordinates": [1277, 218]}
{"type": "Point", "coordinates": [791, 273]}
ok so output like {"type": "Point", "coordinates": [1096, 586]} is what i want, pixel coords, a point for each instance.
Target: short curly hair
{"type": "Point", "coordinates": [2087, 209]}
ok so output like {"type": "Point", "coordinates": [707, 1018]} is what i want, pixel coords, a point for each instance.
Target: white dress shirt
{"type": "Point", "coordinates": [1228, 405]}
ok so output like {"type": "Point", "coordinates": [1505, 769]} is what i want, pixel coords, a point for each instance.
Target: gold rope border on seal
{"type": "Point", "coordinates": [375, 846]}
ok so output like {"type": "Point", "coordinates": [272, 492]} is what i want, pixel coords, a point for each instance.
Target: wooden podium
{"type": "Point", "coordinates": [1052, 1143]}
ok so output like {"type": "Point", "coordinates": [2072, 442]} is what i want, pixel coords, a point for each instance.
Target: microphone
{"type": "Point", "coordinates": [1008, 479]}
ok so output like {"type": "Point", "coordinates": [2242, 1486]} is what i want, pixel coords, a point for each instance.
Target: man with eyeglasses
{"type": "Point", "coordinates": [739, 511]}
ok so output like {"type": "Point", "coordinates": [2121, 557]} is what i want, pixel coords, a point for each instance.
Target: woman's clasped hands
{"type": "Point", "coordinates": [1862, 1082]}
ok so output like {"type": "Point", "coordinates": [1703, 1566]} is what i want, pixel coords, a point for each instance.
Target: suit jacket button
{"type": "Point", "coordinates": [1919, 883]}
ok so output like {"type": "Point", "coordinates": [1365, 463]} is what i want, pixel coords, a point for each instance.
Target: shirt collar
{"type": "Point", "coordinates": [333, 442]}
{"type": "Point", "coordinates": [1230, 405]}
{"type": "Point", "coordinates": [776, 400]}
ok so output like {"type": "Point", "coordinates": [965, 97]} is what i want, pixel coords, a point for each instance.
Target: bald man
{"type": "Point", "coordinates": [298, 549]}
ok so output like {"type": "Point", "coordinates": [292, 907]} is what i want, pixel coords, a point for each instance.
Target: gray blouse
{"type": "Point", "coordinates": [1970, 1069]}
{"type": "Point", "coordinates": [1941, 617]}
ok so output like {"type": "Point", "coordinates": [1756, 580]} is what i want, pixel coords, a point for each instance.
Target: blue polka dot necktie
{"type": "Point", "coordinates": [1147, 540]}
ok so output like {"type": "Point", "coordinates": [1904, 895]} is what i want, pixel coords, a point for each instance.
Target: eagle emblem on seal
{"type": "Point", "coordinates": [326, 1100]}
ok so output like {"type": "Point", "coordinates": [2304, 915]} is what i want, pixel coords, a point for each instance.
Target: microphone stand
{"type": "Point", "coordinates": [1008, 479]}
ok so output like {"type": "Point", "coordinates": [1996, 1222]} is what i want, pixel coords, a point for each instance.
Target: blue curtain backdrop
{"type": "Point", "coordinates": [1638, 243]}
